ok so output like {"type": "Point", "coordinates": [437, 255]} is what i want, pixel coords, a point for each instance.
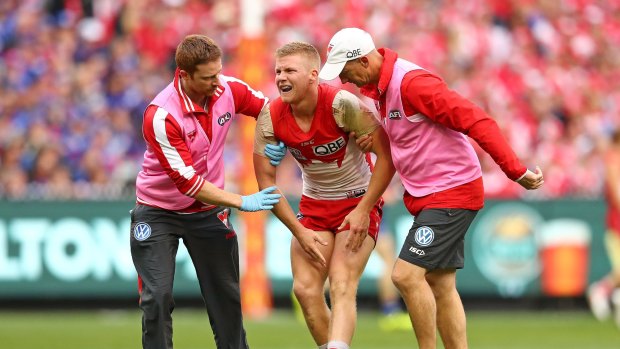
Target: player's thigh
{"type": "Point", "coordinates": [385, 247]}
{"type": "Point", "coordinates": [306, 271]}
{"type": "Point", "coordinates": [346, 263]}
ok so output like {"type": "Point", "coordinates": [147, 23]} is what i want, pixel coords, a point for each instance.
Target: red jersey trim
{"type": "Point", "coordinates": [468, 196]}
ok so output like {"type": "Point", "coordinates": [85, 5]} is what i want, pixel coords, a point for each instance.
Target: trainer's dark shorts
{"type": "Point", "coordinates": [437, 238]}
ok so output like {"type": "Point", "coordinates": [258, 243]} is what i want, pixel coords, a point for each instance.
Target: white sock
{"type": "Point", "coordinates": [324, 346]}
{"type": "Point", "coordinates": [337, 345]}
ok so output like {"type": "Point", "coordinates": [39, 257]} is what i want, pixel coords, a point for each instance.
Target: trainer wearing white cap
{"type": "Point", "coordinates": [426, 123]}
{"type": "Point", "coordinates": [346, 45]}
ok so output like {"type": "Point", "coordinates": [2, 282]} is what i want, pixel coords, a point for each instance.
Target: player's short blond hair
{"type": "Point", "coordinates": [301, 48]}
{"type": "Point", "coordinates": [196, 49]}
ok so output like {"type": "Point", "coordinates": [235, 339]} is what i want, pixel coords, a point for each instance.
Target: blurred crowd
{"type": "Point", "coordinates": [76, 75]}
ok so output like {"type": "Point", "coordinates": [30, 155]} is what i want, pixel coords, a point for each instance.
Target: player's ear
{"type": "Point", "coordinates": [314, 75]}
{"type": "Point", "coordinates": [184, 74]}
{"type": "Point", "coordinates": [364, 61]}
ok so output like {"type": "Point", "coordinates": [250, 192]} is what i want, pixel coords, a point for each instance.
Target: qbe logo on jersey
{"type": "Point", "coordinates": [141, 231]}
{"type": "Point", "coordinates": [329, 148]}
{"type": "Point", "coordinates": [424, 236]}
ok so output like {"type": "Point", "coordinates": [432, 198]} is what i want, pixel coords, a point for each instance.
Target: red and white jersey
{"type": "Point", "coordinates": [185, 142]}
{"type": "Point", "coordinates": [332, 167]}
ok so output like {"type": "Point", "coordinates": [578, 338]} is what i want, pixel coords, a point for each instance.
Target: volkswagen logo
{"type": "Point", "coordinates": [424, 236]}
{"type": "Point", "coordinates": [141, 231]}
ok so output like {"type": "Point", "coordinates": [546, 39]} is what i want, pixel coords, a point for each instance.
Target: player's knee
{"type": "Point", "coordinates": [399, 280]}
{"type": "Point", "coordinates": [306, 292]}
{"type": "Point", "coordinates": [342, 288]}
{"type": "Point", "coordinates": [405, 281]}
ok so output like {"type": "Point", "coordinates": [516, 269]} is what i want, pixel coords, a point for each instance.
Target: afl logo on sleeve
{"type": "Point", "coordinates": [424, 236]}
{"type": "Point", "coordinates": [141, 231]}
{"type": "Point", "coordinates": [223, 119]}
{"type": "Point", "coordinates": [394, 114]}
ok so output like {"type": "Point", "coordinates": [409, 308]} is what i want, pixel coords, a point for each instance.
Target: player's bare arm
{"type": "Point", "coordinates": [359, 119]}
{"type": "Point", "coordinates": [384, 170]}
{"type": "Point", "coordinates": [308, 239]}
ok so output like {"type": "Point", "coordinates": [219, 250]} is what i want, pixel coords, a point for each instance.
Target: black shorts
{"type": "Point", "coordinates": [437, 238]}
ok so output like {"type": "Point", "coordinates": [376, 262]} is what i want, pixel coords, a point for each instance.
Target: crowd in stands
{"type": "Point", "coordinates": [76, 75]}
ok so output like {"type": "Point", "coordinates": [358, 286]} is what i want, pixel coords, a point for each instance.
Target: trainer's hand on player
{"type": "Point", "coordinates": [262, 200]}
{"type": "Point", "coordinates": [308, 239]}
{"type": "Point", "coordinates": [358, 221]}
{"type": "Point", "coordinates": [364, 142]}
{"type": "Point", "coordinates": [532, 180]}
{"type": "Point", "coordinates": [275, 153]}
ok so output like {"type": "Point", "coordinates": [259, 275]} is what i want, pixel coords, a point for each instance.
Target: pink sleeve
{"type": "Point", "coordinates": [426, 93]}
{"type": "Point", "coordinates": [163, 136]}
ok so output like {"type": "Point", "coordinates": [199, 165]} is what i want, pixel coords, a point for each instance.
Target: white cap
{"type": "Point", "coordinates": [345, 45]}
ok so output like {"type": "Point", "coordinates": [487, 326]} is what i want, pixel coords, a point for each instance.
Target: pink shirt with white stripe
{"type": "Point", "coordinates": [181, 152]}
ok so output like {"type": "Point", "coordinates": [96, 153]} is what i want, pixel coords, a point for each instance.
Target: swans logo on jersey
{"type": "Point", "coordinates": [329, 48]}
{"type": "Point", "coordinates": [424, 236]}
{"type": "Point", "coordinates": [394, 114]}
{"type": "Point", "coordinates": [191, 135]}
{"type": "Point", "coordinates": [141, 231]}
{"type": "Point", "coordinates": [223, 216]}
{"type": "Point", "coordinates": [297, 154]}
{"type": "Point", "coordinates": [329, 148]}
{"type": "Point", "coordinates": [223, 119]}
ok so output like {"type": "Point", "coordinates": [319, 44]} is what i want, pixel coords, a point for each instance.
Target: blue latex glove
{"type": "Point", "coordinates": [262, 200]}
{"type": "Point", "coordinates": [275, 153]}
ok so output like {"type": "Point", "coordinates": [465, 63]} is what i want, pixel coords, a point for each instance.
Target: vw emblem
{"type": "Point", "coordinates": [424, 236]}
{"type": "Point", "coordinates": [142, 231]}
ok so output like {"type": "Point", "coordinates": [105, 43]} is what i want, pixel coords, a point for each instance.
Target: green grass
{"type": "Point", "coordinates": [120, 329]}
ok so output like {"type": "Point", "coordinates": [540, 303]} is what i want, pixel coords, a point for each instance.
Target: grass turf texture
{"type": "Point", "coordinates": [120, 329]}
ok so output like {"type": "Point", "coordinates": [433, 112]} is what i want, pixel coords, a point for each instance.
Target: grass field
{"type": "Point", "coordinates": [120, 329]}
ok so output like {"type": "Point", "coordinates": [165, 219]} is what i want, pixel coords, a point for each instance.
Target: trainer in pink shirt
{"type": "Point", "coordinates": [185, 142]}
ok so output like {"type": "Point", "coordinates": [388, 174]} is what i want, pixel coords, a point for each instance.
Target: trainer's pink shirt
{"type": "Point", "coordinates": [185, 142]}
{"type": "Point", "coordinates": [423, 99]}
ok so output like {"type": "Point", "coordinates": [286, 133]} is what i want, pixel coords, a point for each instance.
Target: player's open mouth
{"type": "Point", "coordinates": [285, 89]}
